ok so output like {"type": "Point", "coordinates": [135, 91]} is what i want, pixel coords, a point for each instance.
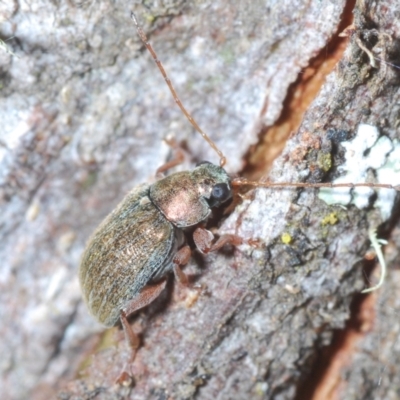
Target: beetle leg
{"type": "Point", "coordinates": [179, 157]}
{"type": "Point", "coordinates": [125, 377]}
{"type": "Point", "coordinates": [145, 297]}
{"type": "Point", "coordinates": [203, 240]}
{"type": "Point", "coordinates": [181, 258]}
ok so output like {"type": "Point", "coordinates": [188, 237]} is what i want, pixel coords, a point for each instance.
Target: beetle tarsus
{"type": "Point", "coordinates": [125, 379]}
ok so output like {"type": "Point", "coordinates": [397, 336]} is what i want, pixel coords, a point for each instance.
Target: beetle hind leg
{"type": "Point", "coordinates": [144, 298]}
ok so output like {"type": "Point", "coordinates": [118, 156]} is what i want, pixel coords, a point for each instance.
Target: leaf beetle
{"type": "Point", "coordinates": [126, 260]}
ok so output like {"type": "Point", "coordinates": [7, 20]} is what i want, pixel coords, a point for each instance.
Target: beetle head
{"type": "Point", "coordinates": [213, 183]}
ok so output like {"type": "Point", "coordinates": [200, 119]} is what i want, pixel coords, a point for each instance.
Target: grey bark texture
{"type": "Point", "coordinates": [83, 112]}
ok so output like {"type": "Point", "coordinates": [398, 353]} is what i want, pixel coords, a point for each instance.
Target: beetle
{"type": "Point", "coordinates": [143, 239]}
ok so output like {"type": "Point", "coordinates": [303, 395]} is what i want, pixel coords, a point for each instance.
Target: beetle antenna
{"type": "Point", "coordinates": [245, 182]}
{"type": "Point", "coordinates": [149, 47]}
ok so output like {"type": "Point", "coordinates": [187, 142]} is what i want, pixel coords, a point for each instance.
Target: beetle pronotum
{"type": "Point", "coordinates": [125, 262]}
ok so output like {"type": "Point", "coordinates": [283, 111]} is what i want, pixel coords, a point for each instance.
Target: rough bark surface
{"type": "Point", "coordinates": [83, 113]}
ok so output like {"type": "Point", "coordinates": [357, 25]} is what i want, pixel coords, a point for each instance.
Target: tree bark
{"type": "Point", "coordinates": [84, 111]}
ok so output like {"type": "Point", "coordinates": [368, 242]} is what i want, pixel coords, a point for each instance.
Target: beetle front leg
{"type": "Point", "coordinates": [144, 298]}
{"type": "Point", "coordinates": [203, 240]}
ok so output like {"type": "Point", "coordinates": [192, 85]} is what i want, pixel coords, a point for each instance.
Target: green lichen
{"type": "Point", "coordinates": [324, 161]}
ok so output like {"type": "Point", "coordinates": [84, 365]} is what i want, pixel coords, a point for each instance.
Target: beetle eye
{"type": "Point", "coordinates": [221, 192]}
{"type": "Point", "coordinates": [203, 162]}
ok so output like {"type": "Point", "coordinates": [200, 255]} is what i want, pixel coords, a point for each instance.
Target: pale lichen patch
{"type": "Point", "coordinates": [367, 151]}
